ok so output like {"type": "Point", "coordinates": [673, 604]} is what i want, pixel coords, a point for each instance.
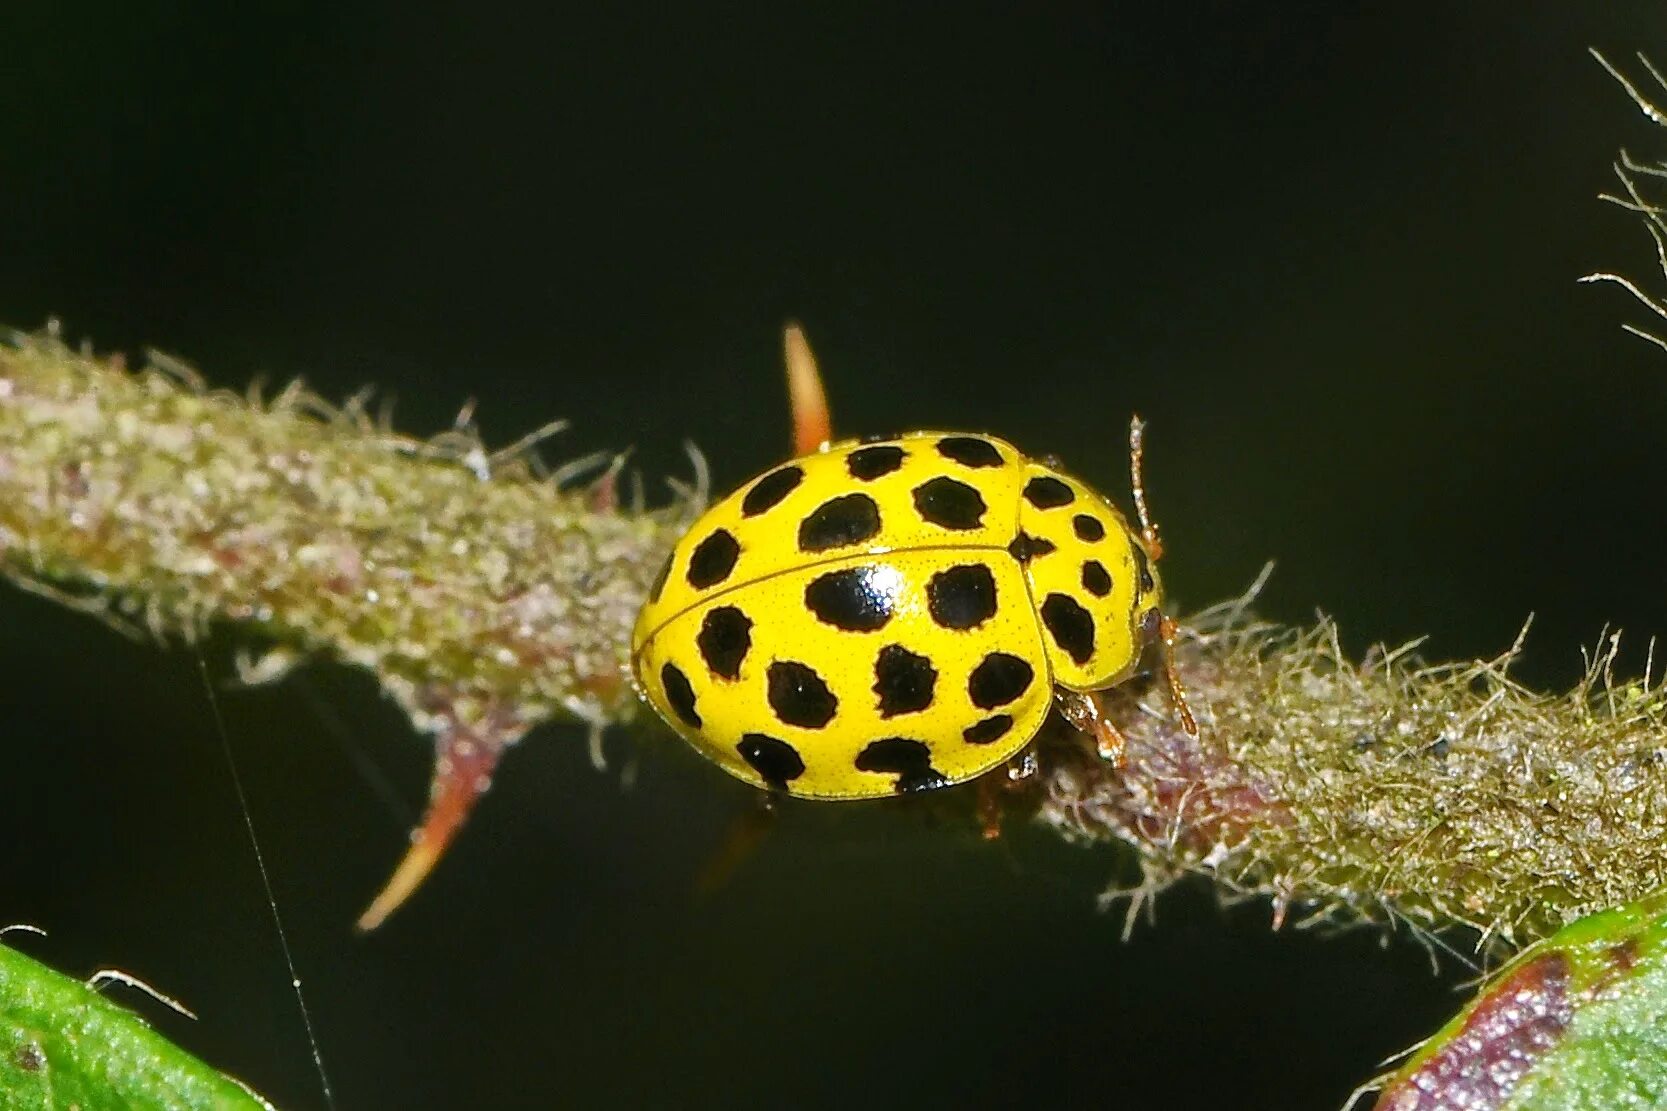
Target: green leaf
{"type": "Point", "coordinates": [63, 1044]}
{"type": "Point", "coordinates": [1577, 1021]}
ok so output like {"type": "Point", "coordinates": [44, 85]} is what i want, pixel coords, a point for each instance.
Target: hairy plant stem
{"type": "Point", "coordinates": [487, 596]}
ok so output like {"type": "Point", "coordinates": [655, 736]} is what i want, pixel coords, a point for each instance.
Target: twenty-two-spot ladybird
{"type": "Point", "coordinates": [895, 615]}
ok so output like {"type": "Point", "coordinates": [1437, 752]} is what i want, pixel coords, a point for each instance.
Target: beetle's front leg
{"type": "Point", "coordinates": [997, 783]}
{"type": "Point", "coordinates": [746, 833]}
{"type": "Point", "coordinates": [1083, 711]}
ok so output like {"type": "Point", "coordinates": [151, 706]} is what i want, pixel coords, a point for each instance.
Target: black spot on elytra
{"type": "Point", "coordinates": [713, 559]}
{"type": "Point", "coordinates": [903, 680]}
{"type": "Point", "coordinates": [679, 694]}
{"type": "Point", "coordinates": [776, 762]}
{"type": "Point", "coordinates": [969, 451]}
{"type": "Point", "coordinates": [1095, 580]}
{"type": "Point", "coordinates": [869, 463]}
{"type": "Point", "coordinates": [1047, 492]}
{"type": "Point", "coordinates": [1088, 528]}
{"type": "Point", "coordinates": [798, 695]}
{"type": "Point", "coordinates": [768, 491]}
{"type": "Point", "coordinates": [962, 597]}
{"type": "Point", "coordinates": [849, 600]}
{"type": "Point", "coordinates": [1026, 547]}
{"type": "Point", "coordinates": [1070, 624]}
{"type": "Point", "coordinates": [839, 522]}
{"type": "Point", "coordinates": [909, 760]}
{"type": "Point", "coordinates": [989, 730]}
{"type": "Point", "coordinates": [724, 638]}
{"type": "Point", "coordinates": [1144, 570]}
{"type": "Point", "coordinates": [659, 586]}
{"type": "Point", "coordinates": [998, 679]}
{"type": "Point", "coordinates": [949, 503]}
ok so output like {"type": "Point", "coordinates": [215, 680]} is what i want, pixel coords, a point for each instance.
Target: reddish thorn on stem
{"type": "Point", "coordinates": [812, 426]}
{"type": "Point", "coordinates": [462, 773]}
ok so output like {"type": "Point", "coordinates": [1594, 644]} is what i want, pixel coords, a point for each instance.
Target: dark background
{"type": "Point", "coordinates": [1332, 260]}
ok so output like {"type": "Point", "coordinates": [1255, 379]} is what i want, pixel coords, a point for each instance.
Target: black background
{"type": "Point", "coordinates": [1332, 260]}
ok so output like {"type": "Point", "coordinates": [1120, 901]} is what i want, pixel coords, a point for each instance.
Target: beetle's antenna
{"type": "Point", "coordinates": [1168, 630]}
{"type": "Point", "coordinates": [1137, 479]}
{"type": "Point", "coordinates": [812, 426]}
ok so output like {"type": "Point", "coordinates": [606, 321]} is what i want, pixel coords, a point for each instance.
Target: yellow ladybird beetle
{"type": "Point", "coordinates": [897, 614]}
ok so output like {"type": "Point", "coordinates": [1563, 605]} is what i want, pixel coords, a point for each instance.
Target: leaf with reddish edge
{"type": "Point", "coordinates": [1576, 1021]}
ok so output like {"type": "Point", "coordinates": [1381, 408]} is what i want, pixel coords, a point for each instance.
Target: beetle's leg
{"type": "Point", "coordinates": [1167, 630]}
{"type": "Point", "coordinates": [1083, 711]}
{"type": "Point", "coordinates": [745, 834]}
{"type": "Point", "coordinates": [989, 806]}
{"type": "Point", "coordinates": [812, 426]}
{"type": "Point", "coordinates": [1011, 776]}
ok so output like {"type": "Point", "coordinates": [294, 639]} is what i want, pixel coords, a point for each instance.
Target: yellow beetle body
{"type": "Point", "coordinates": [891, 615]}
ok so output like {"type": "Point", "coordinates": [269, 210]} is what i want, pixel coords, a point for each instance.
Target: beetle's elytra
{"type": "Point", "coordinates": [892, 616]}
